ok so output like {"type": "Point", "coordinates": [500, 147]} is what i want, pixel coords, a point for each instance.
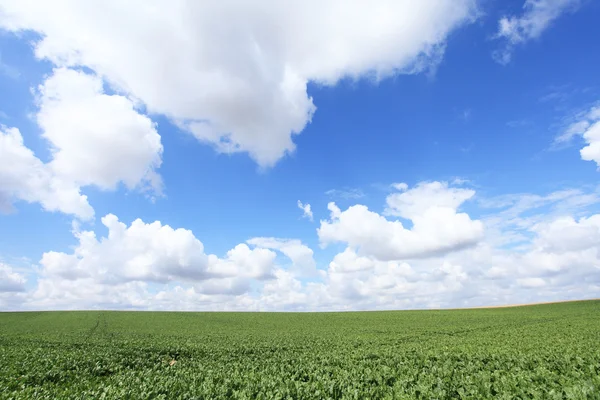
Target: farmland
{"type": "Point", "coordinates": [549, 351]}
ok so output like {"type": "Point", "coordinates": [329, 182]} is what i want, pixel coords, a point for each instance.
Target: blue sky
{"type": "Point", "coordinates": [468, 114]}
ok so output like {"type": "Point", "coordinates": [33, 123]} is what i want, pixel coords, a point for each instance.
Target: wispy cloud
{"type": "Point", "coordinates": [578, 123]}
{"type": "Point", "coordinates": [347, 193]}
{"type": "Point", "coordinates": [459, 181]}
{"type": "Point", "coordinates": [307, 212]}
{"type": "Point", "coordinates": [509, 218]}
{"type": "Point", "coordinates": [537, 16]}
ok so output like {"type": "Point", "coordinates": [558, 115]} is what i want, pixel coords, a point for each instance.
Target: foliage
{"type": "Point", "coordinates": [536, 352]}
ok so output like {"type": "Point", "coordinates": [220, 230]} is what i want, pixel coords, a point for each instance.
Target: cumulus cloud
{"type": "Point", "coordinates": [557, 258]}
{"type": "Point", "coordinates": [10, 281]}
{"type": "Point", "coordinates": [301, 256]}
{"type": "Point", "coordinates": [557, 253]}
{"type": "Point", "coordinates": [537, 16]}
{"type": "Point", "coordinates": [437, 226]}
{"type": "Point", "coordinates": [591, 152]}
{"type": "Point", "coordinates": [509, 219]}
{"type": "Point", "coordinates": [306, 210]}
{"type": "Point", "coordinates": [154, 253]}
{"type": "Point", "coordinates": [154, 266]}
{"type": "Point", "coordinates": [25, 177]}
{"type": "Point", "coordinates": [356, 282]}
{"type": "Point", "coordinates": [235, 73]}
{"type": "Point", "coordinates": [355, 277]}
{"type": "Point", "coordinates": [567, 234]}
{"type": "Point", "coordinates": [564, 248]}
{"type": "Point", "coordinates": [554, 265]}
{"type": "Point", "coordinates": [424, 196]}
{"type": "Point", "coordinates": [119, 270]}
{"type": "Point", "coordinates": [94, 138]}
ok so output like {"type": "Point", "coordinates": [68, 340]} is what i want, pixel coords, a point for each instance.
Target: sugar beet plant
{"type": "Point", "coordinates": [536, 352]}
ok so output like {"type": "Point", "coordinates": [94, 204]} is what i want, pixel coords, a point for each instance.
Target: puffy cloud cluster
{"type": "Point", "coordinates": [94, 138]}
{"type": "Point", "coordinates": [151, 265]}
{"type": "Point", "coordinates": [235, 73]}
{"type": "Point", "coordinates": [536, 18]}
{"type": "Point", "coordinates": [437, 226]}
{"type": "Point", "coordinates": [156, 253]}
{"type": "Point", "coordinates": [547, 254]}
{"type": "Point", "coordinates": [366, 283]}
{"type": "Point", "coordinates": [564, 249]}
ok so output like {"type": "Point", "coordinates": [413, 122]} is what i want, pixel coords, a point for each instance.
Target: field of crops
{"type": "Point", "coordinates": [535, 352]}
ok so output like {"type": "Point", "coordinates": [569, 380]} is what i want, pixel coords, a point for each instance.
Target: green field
{"type": "Point", "coordinates": [534, 352]}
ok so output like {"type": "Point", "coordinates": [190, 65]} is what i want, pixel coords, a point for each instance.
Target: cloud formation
{"type": "Point", "coordinates": [154, 266]}
{"type": "Point", "coordinates": [234, 73]}
{"type": "Point", "coordinates": [537, 16]}
{"type": "Point", "coordinates": [586, 125]}
{"type": "Point", "coordinates": [25, 177]}
{"type": "Point", "coordinates": [306, 210]}
{"type": "Point", "coordinates": [95, 139]}
{"type": "Point", "coordinates": [301, 256]}
{"type": "Point", "coordinates": [153, 253]}
{"type": "Point", "coordinates": [10, 281]}
{"type": "Point", "coordinates": [432, 208]}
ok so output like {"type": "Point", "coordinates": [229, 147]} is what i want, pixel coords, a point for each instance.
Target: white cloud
{"type": "Point", "coordinates": [354, 277]}
{"type": "Point", "coordinates": [153, 266]}
{"type": "Point", "coordinates": [506, 224]}
{"type": "Point", "coordinates": [283, 293]}
{"type": "Point", "coordinates": [564, 249]}
{"type": "Point", "coordinates": [154, 253]}
{"type": "Point", "coordinates": [363, 282]}
{"type": "Point", "coordinates": [558, 260]}
{"type": "Point", "coordinates": [346, 194]}
{"type": "Point", "coordinates": [437, 227]}
{"type": "Point", "coordinates": [24, 177]}
{"type": "Point", "coordinates": [567, 234]}
{"type": "Point", "coordinates": [591, 152]}
{"type": "Point", "coordinates": [577, 128]}
{"type": "Point", "coordinates": [531, 282]}
{"type": "Point", "coordinates": [426, 195]}
{"type": "Point", "coordinates": [400, 186]}
{"type": "Point", "coordinates": [307, 212]}
{"type": "Point", "coordinates": [303, 263]}
{"type": "Point", "coordinates": [536, 18]}
{"type": "Point", "coordinates": [10, 281]}
{"type": "Point", "coordinates": [559, 252]}
{"type": "Point", "coordinates": [587, 125]}
{"type": "Point", "coordinates": [234, 73]}
{"type": "Point", "coordinates": [96, 139]}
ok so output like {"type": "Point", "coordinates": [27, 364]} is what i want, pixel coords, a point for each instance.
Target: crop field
{"type": "Point", "coordinates": [536, 352]}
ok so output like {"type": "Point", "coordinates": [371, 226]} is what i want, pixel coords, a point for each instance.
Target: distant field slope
{"type": "Point", "coordinates": [549, 351]}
